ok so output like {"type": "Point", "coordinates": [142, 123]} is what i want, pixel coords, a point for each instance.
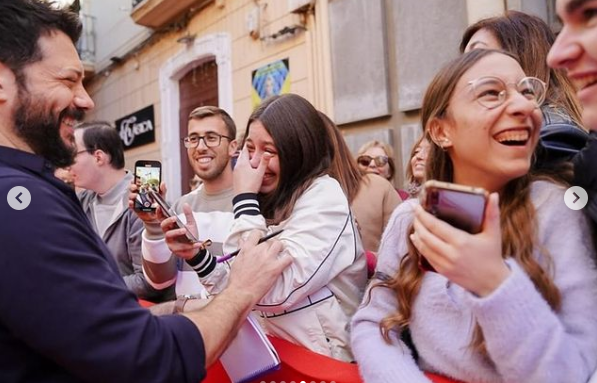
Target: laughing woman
{"type": "Point", "coordinates": [281, 182]}
{"type": "Point", "coordinates": [514, 303]}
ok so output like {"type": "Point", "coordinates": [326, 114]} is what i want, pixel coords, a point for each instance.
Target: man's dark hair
{"type": "Point", "coordinates": [22, 23]}
{"type": "Point", "coordinates": [213, 111]}
{"type": "Point", "coordinates": [100, 135]}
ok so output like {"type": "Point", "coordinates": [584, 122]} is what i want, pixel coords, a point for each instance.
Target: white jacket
{"type": "Point", "coordinates": [324, 284]}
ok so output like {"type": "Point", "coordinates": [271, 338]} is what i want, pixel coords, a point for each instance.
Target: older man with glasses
{"type": "Point", "coordinates": [99, 169]}
{"type": "Point", "coordinates": [210, 146]}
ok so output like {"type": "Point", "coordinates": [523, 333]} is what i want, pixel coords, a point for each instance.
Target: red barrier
{"type": "Point", "coordinates": [300, 364]}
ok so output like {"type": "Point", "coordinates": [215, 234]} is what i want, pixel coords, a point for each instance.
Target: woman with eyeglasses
{"type": "Point", "coordinates": [281, 182]}
{"type": "Point", "coordinates": [530, 38]}
{"type": "Point", "coordinates": [514, 303]}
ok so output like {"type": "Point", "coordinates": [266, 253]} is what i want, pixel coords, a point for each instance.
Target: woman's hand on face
{"type": "Point", "coordinates": [473, 261]}
{"type": "Point", "coordinates": [248, 179]}
{"type": "Point", "coordinates": [176, 238]}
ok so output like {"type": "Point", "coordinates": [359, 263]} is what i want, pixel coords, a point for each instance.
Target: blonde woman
{"type": "Point", "coordinates": [378, 158]}
{"type": "Point", "coordinates": [514, 303]}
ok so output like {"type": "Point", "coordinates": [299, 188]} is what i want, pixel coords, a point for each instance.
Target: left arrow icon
{"type": "Point", "coordinates": [18, 198]}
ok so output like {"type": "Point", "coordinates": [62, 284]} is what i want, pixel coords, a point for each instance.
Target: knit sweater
{"type": "Point", "coordinates": [525, 339]}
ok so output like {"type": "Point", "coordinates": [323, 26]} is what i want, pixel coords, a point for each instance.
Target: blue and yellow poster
{"type": "Point", "coordinates": [270, 80]}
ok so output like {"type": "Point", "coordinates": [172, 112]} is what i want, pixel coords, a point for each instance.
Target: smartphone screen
{"type": "Point", "coordinates": [148, 175]}
{"type": "Point", "coordinates": [462, 210]}
{"type": "Point", "coordinates": [461, 206]}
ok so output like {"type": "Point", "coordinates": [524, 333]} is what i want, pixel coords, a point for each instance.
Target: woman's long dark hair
{"type": "Point", "coordinates": [304, 149]}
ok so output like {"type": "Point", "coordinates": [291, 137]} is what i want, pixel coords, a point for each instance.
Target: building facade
{"type": "Point", "coordinates": [365, 63]}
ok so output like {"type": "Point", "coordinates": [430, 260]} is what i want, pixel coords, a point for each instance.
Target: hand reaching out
{"type": "Point", "coordinates": [258, 266]}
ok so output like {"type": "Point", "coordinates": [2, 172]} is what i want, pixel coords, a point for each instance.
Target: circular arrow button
{"type": "Point", "coordinates": [19, 198]}
{"type": "Point", "coordinates": [576, 198]}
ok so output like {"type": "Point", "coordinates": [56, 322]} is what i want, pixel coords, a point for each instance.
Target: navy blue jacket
{"type": "Point", "coordinates": [65, 312]}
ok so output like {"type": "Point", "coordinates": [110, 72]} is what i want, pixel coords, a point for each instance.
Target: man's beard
{"type": "Point", "coordinates": [40, 129]}
{"type": "Point", "coordinates": [211, 174]}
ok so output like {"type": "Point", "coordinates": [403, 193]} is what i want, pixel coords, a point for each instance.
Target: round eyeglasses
{"type": "Point", "coordinates": [492, 92]}
{"type": "Point", "coordinates": [366, 160]}
{"type": "Point", "coordinates": [210, 139]}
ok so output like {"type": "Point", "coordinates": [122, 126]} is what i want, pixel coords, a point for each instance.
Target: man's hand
{"type": "Point", "coordinates": [155, 216]}
{"type": "Point", "coordinates": [176, 238]}
{"type": "Point", "coordinates": [257, 267]}
{"type": "Point", "coordinates": [253, 273]}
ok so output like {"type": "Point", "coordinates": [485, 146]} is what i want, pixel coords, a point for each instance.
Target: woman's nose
{"type": "Point", "coordinates": [254, 159]}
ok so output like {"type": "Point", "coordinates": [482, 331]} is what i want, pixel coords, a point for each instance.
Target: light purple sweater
{"type": "Point", "coordinates": [526, 341]}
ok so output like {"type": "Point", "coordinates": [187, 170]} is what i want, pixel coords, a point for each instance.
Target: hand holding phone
{"type": "Point", "coordinates": [474, 262]}
{"type": "Point", "coordinates": [148, 175]}
{"type": "Point", "coordinates": [167, 211]}
{"type": "Point", "coordinates": [461, 206]}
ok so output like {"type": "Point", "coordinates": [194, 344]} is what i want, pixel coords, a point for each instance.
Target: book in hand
{"type": "Point", "coordinates": [250, 354]}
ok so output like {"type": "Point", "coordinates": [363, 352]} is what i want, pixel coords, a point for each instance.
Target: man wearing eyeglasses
{"type": "Point", "coordinates": [210, 145]}
{"type": "Point", "coordinates": [99, 168]}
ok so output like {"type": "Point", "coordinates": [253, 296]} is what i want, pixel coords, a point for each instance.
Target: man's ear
{"type": "Point", "coordinates": [440, 132]}
{"type": "Point", "coordinates": [8, 83]}
{"type": "Point", "coordinates": [100, 157]}
{"type": "Point", "coordinates": [232, 147]}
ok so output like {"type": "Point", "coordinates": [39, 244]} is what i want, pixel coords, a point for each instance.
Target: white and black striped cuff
{"type": "Point", "coordinates": [245, 204]}
{"type": "Point", "coordinates": [203, 263]}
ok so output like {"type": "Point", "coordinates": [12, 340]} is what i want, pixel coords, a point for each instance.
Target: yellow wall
{"type": "Point", "coordinates": [135, 83]}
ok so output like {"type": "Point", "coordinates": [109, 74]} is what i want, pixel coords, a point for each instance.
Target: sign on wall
{"type": "Point", "coordinates": [270, 80]}
{"type": "Point", "coordinates": [137, 128]}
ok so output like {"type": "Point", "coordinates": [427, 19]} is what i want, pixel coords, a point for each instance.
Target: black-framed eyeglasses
{"type": "Point", "coordinates": [210, 139]}
{"type": "Point", "coordinates": [82, 151]}
{"type": "Point", "coordinates": [492, 92]}
{"type": "Point", "coordinates": [366, 160]}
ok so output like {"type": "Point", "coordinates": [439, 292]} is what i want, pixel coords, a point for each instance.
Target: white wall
{"type": "Point", "coordinates": [115, 31]}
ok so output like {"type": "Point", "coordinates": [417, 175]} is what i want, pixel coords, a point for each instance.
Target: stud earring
{"type": "Point", "coordinates": [443, 143]}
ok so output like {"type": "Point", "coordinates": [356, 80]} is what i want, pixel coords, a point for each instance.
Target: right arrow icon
{"type": "Point", "coordinates": [576, 198]}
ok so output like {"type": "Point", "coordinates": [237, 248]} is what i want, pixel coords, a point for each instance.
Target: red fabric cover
{"type": "Point", "coordinates": [145, 303]}
{"type": "Point", "coordinates": [298, 364]}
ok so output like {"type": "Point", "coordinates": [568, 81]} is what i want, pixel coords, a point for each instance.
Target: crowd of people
{"type": "Point", "coordinates": [514, 114]}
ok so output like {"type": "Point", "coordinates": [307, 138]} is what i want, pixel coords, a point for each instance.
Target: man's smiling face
{"type": "Point", "coordinates": [51, 100]}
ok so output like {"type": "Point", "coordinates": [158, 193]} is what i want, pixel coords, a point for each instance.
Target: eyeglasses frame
{"type": "Point", "coordinates": [186, 142]}
{"type": "Point", "coordinates": [539, 102]}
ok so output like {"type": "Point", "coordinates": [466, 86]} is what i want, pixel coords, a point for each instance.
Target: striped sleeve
{"type": "Point", "coordinates": [203, 263]}
{"type": "Point", "coordinates": [245, 204]}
